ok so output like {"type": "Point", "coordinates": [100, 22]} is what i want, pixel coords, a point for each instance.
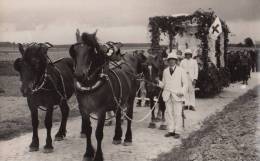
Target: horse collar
{"type": "Point", "coordinates": [81, 88]}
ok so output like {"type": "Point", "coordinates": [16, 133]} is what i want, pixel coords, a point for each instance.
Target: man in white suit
{"type": "Point", "coordinates": [191, 67]}
{"type": "Point", "coordinates": [174, 84]}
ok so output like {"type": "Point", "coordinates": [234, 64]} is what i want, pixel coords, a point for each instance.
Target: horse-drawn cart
{"type": "Point", "coordinates": [206, 35]}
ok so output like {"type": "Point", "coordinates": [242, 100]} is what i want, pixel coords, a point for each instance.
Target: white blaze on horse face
{"type": "Point", "coordinates": [150, 69]}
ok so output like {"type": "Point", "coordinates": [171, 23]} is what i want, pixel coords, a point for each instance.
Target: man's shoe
{"type": "Point", "coordinates": [169, 134]}
{"type": "Point", "coordinates": [176, 136]}
{"type": "Point", "coordinates": [192, 108]}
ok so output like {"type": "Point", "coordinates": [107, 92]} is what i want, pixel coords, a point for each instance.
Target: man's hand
{"type": "Point", "coordinates": [179, 94]}
{"type": "Point", "coordinates": [194, 82]}
{"type": "Point", "coordinates": [157, 79]}
{"type": "Point", "coordinates": [160, 83]}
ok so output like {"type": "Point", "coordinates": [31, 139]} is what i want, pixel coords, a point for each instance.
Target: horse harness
{"type": "Point", "coordinates": [105, 77]}
{"type": "Point", "coordinates": [44, 80]}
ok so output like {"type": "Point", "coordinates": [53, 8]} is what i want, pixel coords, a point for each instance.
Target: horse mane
{"type": "Point", "coordinates": [91, 40]}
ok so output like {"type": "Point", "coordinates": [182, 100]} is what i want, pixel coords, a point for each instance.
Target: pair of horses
{"type": "Point", "coordinates": [98, 88]}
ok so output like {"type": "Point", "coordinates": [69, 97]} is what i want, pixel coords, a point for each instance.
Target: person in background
{"type": "Point", "coordinates": [250, 62]}
{"type": "Point", "coordinates": [174, 83]}
{"type": "Point", "coordinates": [244, 60]}
{"type": "Point", "coordinates": [191, 67]}
{"type": "Point", "coordinates": [180, 57]}
{"type": "Point", "coordinates": [253, 56]}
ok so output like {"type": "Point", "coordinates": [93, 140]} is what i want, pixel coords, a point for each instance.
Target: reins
{"type": "Point", "coordinates": [118, 101]}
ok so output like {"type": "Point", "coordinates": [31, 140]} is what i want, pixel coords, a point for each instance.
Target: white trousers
{"type": "Point", "coordinates": [190, 95]}
{"type": "Point", "coordinates": [174, 115]}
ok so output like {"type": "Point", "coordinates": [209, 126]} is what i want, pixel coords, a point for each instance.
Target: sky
{"type": "Point", "coordinates": [56, 21]}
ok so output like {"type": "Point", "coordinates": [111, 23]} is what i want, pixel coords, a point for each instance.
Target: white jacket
{"type": "Point", "coordinates": [173, 84]}
{"type": "Point", "coordinates": [191, 67]}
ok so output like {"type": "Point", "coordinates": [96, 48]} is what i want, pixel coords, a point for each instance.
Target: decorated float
{"type": "Point", "coordinates": [206, 35]}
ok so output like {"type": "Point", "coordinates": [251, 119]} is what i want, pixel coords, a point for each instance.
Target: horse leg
{"type": "Point", "coordinates": [159, 112]}
{"type": "Point", "coordinates": [109, 122]}
{"type": "Point", "coordinates": [152, 124]}
{"type": "Point", "coordinates": [65, 113]}
{"type": "Point", "coordinates": [83, 125]}
{"type": "Point", "coordinates": [48, 148]}
{"type": "Point", "coordinates": [162, 108]}
{"type": "Point", "coordinates": [118, 128]}
{"type": "Point", "coordinates": [151, 106]}
{"type": "Point", "coordinates": [183, 118]}
{"type": "Point", "coordinates": [128, 135]}
{"type": "Point", "coordinates": [99, 136]}
{"type": "Point", "coordinates": [89, 154]}
{"type": "Point", "coordinates": [34, 146]}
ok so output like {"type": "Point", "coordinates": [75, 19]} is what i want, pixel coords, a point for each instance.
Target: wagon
{"type": "Point", "coordinates": [206, 35]}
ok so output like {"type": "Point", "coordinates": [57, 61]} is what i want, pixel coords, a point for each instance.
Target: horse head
{"type": "Point", "coordinates": [88, 57]}
{"type": "Point", "coordinates": [141, 59]}
{"type": "Point", "coordinates": [154, 66]}
{"type": "Point", "coordinates": [153, 69]}
{"type": "Point", "coordinates": [31, 65]}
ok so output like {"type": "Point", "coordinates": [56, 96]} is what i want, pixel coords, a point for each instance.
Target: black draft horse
{"type": "Point", "coordinates": [153, 68]}
{"type": "Point", "coordinates": [45, 85]}
{"type": "Point", "coordinates": [100, 89]}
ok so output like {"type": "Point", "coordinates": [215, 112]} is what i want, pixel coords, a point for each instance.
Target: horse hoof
{"type": "Point", "coordinates": [116, 142]}
{"type": "Point", "coordinates": [47, 150]}
{"type": "Point", "coordinates": [163, 127]}
{"type": "Point", "coordinates": [152, 125]}
{"type": "Point", "coordinates": [127, 143]}
{"type": "Point", "coordinates": [59, 138]}
{"type": "Point", "coordinates": [32, 149]}
{"type": "Point", "coordinates": [83, 135]}
{"type": "Point", "coordinates": [87, 159]}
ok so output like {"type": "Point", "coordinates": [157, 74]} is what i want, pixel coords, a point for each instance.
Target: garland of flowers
{"type": "Point", "coordinates": [226, 31]}
{"type": "Point", "coordinates": [218, 52]}
{"type": "Point", "coordinates": [211, 78]}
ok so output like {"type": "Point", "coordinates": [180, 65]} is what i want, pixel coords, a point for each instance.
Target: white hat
{"type": "Point", "coordinates": [172, 55]}
{"type": "Point", "coordinates": [187, 51]}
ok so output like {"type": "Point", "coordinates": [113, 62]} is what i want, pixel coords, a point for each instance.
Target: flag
{"type": "Point", "coordinates": [215, 29]}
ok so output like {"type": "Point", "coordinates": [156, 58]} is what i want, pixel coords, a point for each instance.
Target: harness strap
{"type": "Point", "coordinates": [120, 86]}
{"type": "Point", "coordinates": [116, 65]}
{"type": "Point", "coordinates": [62, 81]}
{"type": "Point", "coordinates": [56, 89]}
{"type": "Point", "coordinates": [43, 82]}
{"type": "Point", "coordinates": [119, 100]}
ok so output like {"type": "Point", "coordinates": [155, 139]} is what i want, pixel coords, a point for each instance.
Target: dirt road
{"type": "Point", "coordinates": [147, 143]}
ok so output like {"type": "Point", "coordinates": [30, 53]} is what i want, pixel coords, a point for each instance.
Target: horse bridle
{"type": "Point", "coordinates": [98, 83]}
{"type": "Point", "coordinates": [110, 50]}
{"type": "Point", "coordinates": [45, 76]}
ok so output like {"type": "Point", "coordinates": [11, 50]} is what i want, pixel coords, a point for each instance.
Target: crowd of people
{"type": "Point", "coordinates": [179, 80]}
{"type": "Point", "coordinates": [241, 63]}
